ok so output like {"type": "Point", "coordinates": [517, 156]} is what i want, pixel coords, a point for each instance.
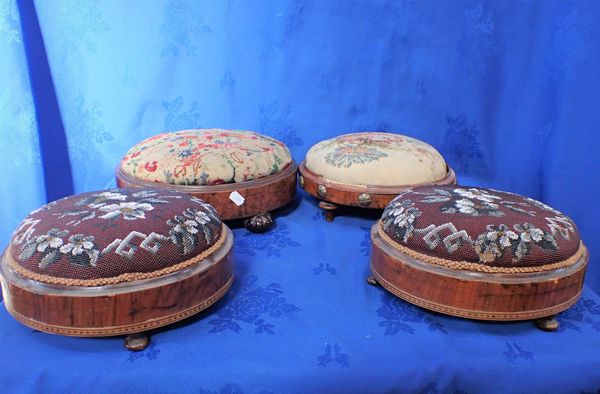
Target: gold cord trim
{"type": "Point", "coordinates": [127, 277]}
{"type": "Point", "coordinates": [469, 266]}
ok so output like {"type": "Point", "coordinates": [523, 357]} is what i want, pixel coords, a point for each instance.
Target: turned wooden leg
{"type": "Point", "coordinates": [329, 209]}
{"type": "Point", "coordinates": [372, 281]}
{"type": "Point", "coordinates": [259, 223]}
{"type": "Point", "coordinates": [136, 342]}
{"type": "Point", "coordinates": [547, 323]}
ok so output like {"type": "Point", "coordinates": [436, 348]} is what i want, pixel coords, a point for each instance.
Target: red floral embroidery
{"type": "Point", "coordinates": [151, 166]}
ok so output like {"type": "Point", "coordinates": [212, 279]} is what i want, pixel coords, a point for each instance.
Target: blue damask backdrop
{"type": "Point", "coordinates": [508, 91]}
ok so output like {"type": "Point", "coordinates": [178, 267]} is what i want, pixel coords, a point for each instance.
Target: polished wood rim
{"type": "Point", "coordinates": [364, 196]}
{"type": "Point", "coordinates": [476, 295]}
{"type": "Point", "coordinates": [261, 195]}
{"type": "Point", "coordinates": [121, 308]}
{"type": "Point", "coordinates": [113, 331]}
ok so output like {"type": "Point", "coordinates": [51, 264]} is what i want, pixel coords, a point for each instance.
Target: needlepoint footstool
{"type": "Point", "coordinates": [242, 174]}
{"type": "Point", "coordinates": [369, 169]}
{"type": "Point", "coordinates": [478, 253]}
{"type": "Point", "coordinates": [120, 261]}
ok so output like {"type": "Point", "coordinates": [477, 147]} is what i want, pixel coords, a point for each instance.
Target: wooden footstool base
{"type": "Point", "coordinates": [537, 296]}
{"type": "Point", "coordinates": [333, 194]}
{"type": "Point", "coordinates": [132, 308]}
{"type": "Point", "coordinates": [261, 196]}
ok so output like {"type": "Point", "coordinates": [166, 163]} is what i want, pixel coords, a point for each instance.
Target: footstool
{"type": "Point", "coordinates": [478, 253]}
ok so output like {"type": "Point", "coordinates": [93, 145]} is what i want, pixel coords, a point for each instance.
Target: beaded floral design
{"type": "Point", "coordinates": [531, 227]}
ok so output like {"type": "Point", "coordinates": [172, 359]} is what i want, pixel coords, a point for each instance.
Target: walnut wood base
{"type": "Point", "coordinates": [261, 195]}
{"type": "Point", "coordinates": [369, 196]}
{"type": "Point", "coordinates": [477, 295]}
{"type": "Point", "coordinates": [124, 308]}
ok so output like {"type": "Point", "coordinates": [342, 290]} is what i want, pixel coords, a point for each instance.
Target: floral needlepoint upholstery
{"type": "Point", "coordinates": [373, 158]}
{"type": "Point", "coordinates": [480, 229]}
{"type": "Point", "coordinates": [206, 157]}
{"type": "Point", "coordinates": [113, 236]}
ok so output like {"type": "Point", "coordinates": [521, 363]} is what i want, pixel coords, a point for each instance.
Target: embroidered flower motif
{"type": "Point", "coordinates": [47, 245]}
{"type": "Point", "coordinates": [474, 208]}
{"type": "Point", "coordinates": [401, 215]}
{"type": "Point", "coordinates": [346, 156]}
{"type": "Point", "coordinates": [184, 229]}
{"type": "Point", "coordinates": [151, 166]}
{"type": "Point", "coordinates": [472, 202]}
{"type": "Point", "coordinates": [51, 246]}
{"type": "Point", "coordinates": [476, 194]}
{"type": "Point", "coordinates": [52, 239]}
{"type": "Point", "coordinates": [101, 199]}
{"type": "Point", "coordinates": [129, 210]}
{"type": "Point", "coordinates": [531, 235]}
{"type": "Point", "coordinates": [542, 206]}
{"type": "Point", "coordinates": [81, 250]}
{"type": "Point", "coordinates": [491, 245]}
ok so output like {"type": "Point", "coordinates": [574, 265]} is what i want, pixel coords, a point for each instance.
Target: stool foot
{"type": "Point", "coordinates": [259, 223]}
{"type": "Point", "coordinates": [329, 209]}
{"type": "Point", "coordinates": [547, 323]}
{"type": "Point", "coordinates": [372, 281]}
{"type": "Point", "coordinates": [137, 342]}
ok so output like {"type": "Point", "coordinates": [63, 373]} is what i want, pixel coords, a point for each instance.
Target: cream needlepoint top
{"type": "Point", "coordinates": [206, 157]}
{"type": "Point", "coordinates": [377, 159]}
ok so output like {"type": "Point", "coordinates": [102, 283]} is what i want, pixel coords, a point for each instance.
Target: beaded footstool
{"type": "Point", "coordinates": [241, 173]}
{"type": "Point", "coordinates": [478, 253]}
{"type": "Point", "coordinates": [120, 261]}
{"type": "Point", "coordinates": [369, 169]}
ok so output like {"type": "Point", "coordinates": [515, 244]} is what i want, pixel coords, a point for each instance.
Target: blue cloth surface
{"type": "Point", "coordinates": [507, 91]}
{"type": "Point", "coordinates": [301, 318]}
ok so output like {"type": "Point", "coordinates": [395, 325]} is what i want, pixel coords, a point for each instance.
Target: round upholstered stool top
{"type": "Point", "coordinates": [479, 253]}
{"type": "Point", "coordinates": [205, 157]}
{"type": "Point", "coordinates": [114, 236]}
{"type": "Point", "coordinates": [480, 230]}
{"type": "Point", "coordinates": [374, 158]}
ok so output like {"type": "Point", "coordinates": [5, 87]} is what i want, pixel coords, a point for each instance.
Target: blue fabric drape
{"type": "Point", "coordinates": [509, 92]}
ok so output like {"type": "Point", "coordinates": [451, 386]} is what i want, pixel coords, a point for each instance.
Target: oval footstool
{"type": "Point", "coordinates": [243, 174]}
{"type": "Point", "coordinates": [120, 261]}
{"type": "Point", "coordinates": [369, 169]}
{"type": "Point", "coordinates": [479, 254]}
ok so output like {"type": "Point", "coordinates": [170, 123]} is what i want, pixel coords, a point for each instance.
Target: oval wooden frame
{"type": "Point", "coordinates": [128, 307]}
{"type": "Point", "coordinates": [261, 195]}
{"type": "Point", "coordinates": [476, 295]}
{"type": "Point", "coordinates": [368, 196]}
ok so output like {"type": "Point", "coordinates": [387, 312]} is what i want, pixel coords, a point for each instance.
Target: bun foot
{"type": "Point", "coordinates": [329, 209]}
{"type": "Point", "coordinates": [372, 281]}
{"type": "Point", "coordinates": [259, 223]}
{"type": "Point", "coordinates": [137, 342]}
{"type": "Point", "coordinates": [547, 323]}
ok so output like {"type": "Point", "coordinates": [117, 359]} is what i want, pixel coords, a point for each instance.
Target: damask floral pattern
{"type": "Point", "coordinates": [585, 312]}
{"type": "Point", "coordinates": [252, 305]}
{"type": "Point", "coordinates": [509, 229]}
{"type": "Point", "coordinates": [333, 354]}
{"type": "Point", "coordinates": [515, 353]}
{"type": "Point", "coordinates": [206, 157]}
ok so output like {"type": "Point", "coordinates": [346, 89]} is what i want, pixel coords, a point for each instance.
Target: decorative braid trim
{"type": "Point", "coordinates": [127, 277]}
{"type": "Point", "coordinates": [469, 266]}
